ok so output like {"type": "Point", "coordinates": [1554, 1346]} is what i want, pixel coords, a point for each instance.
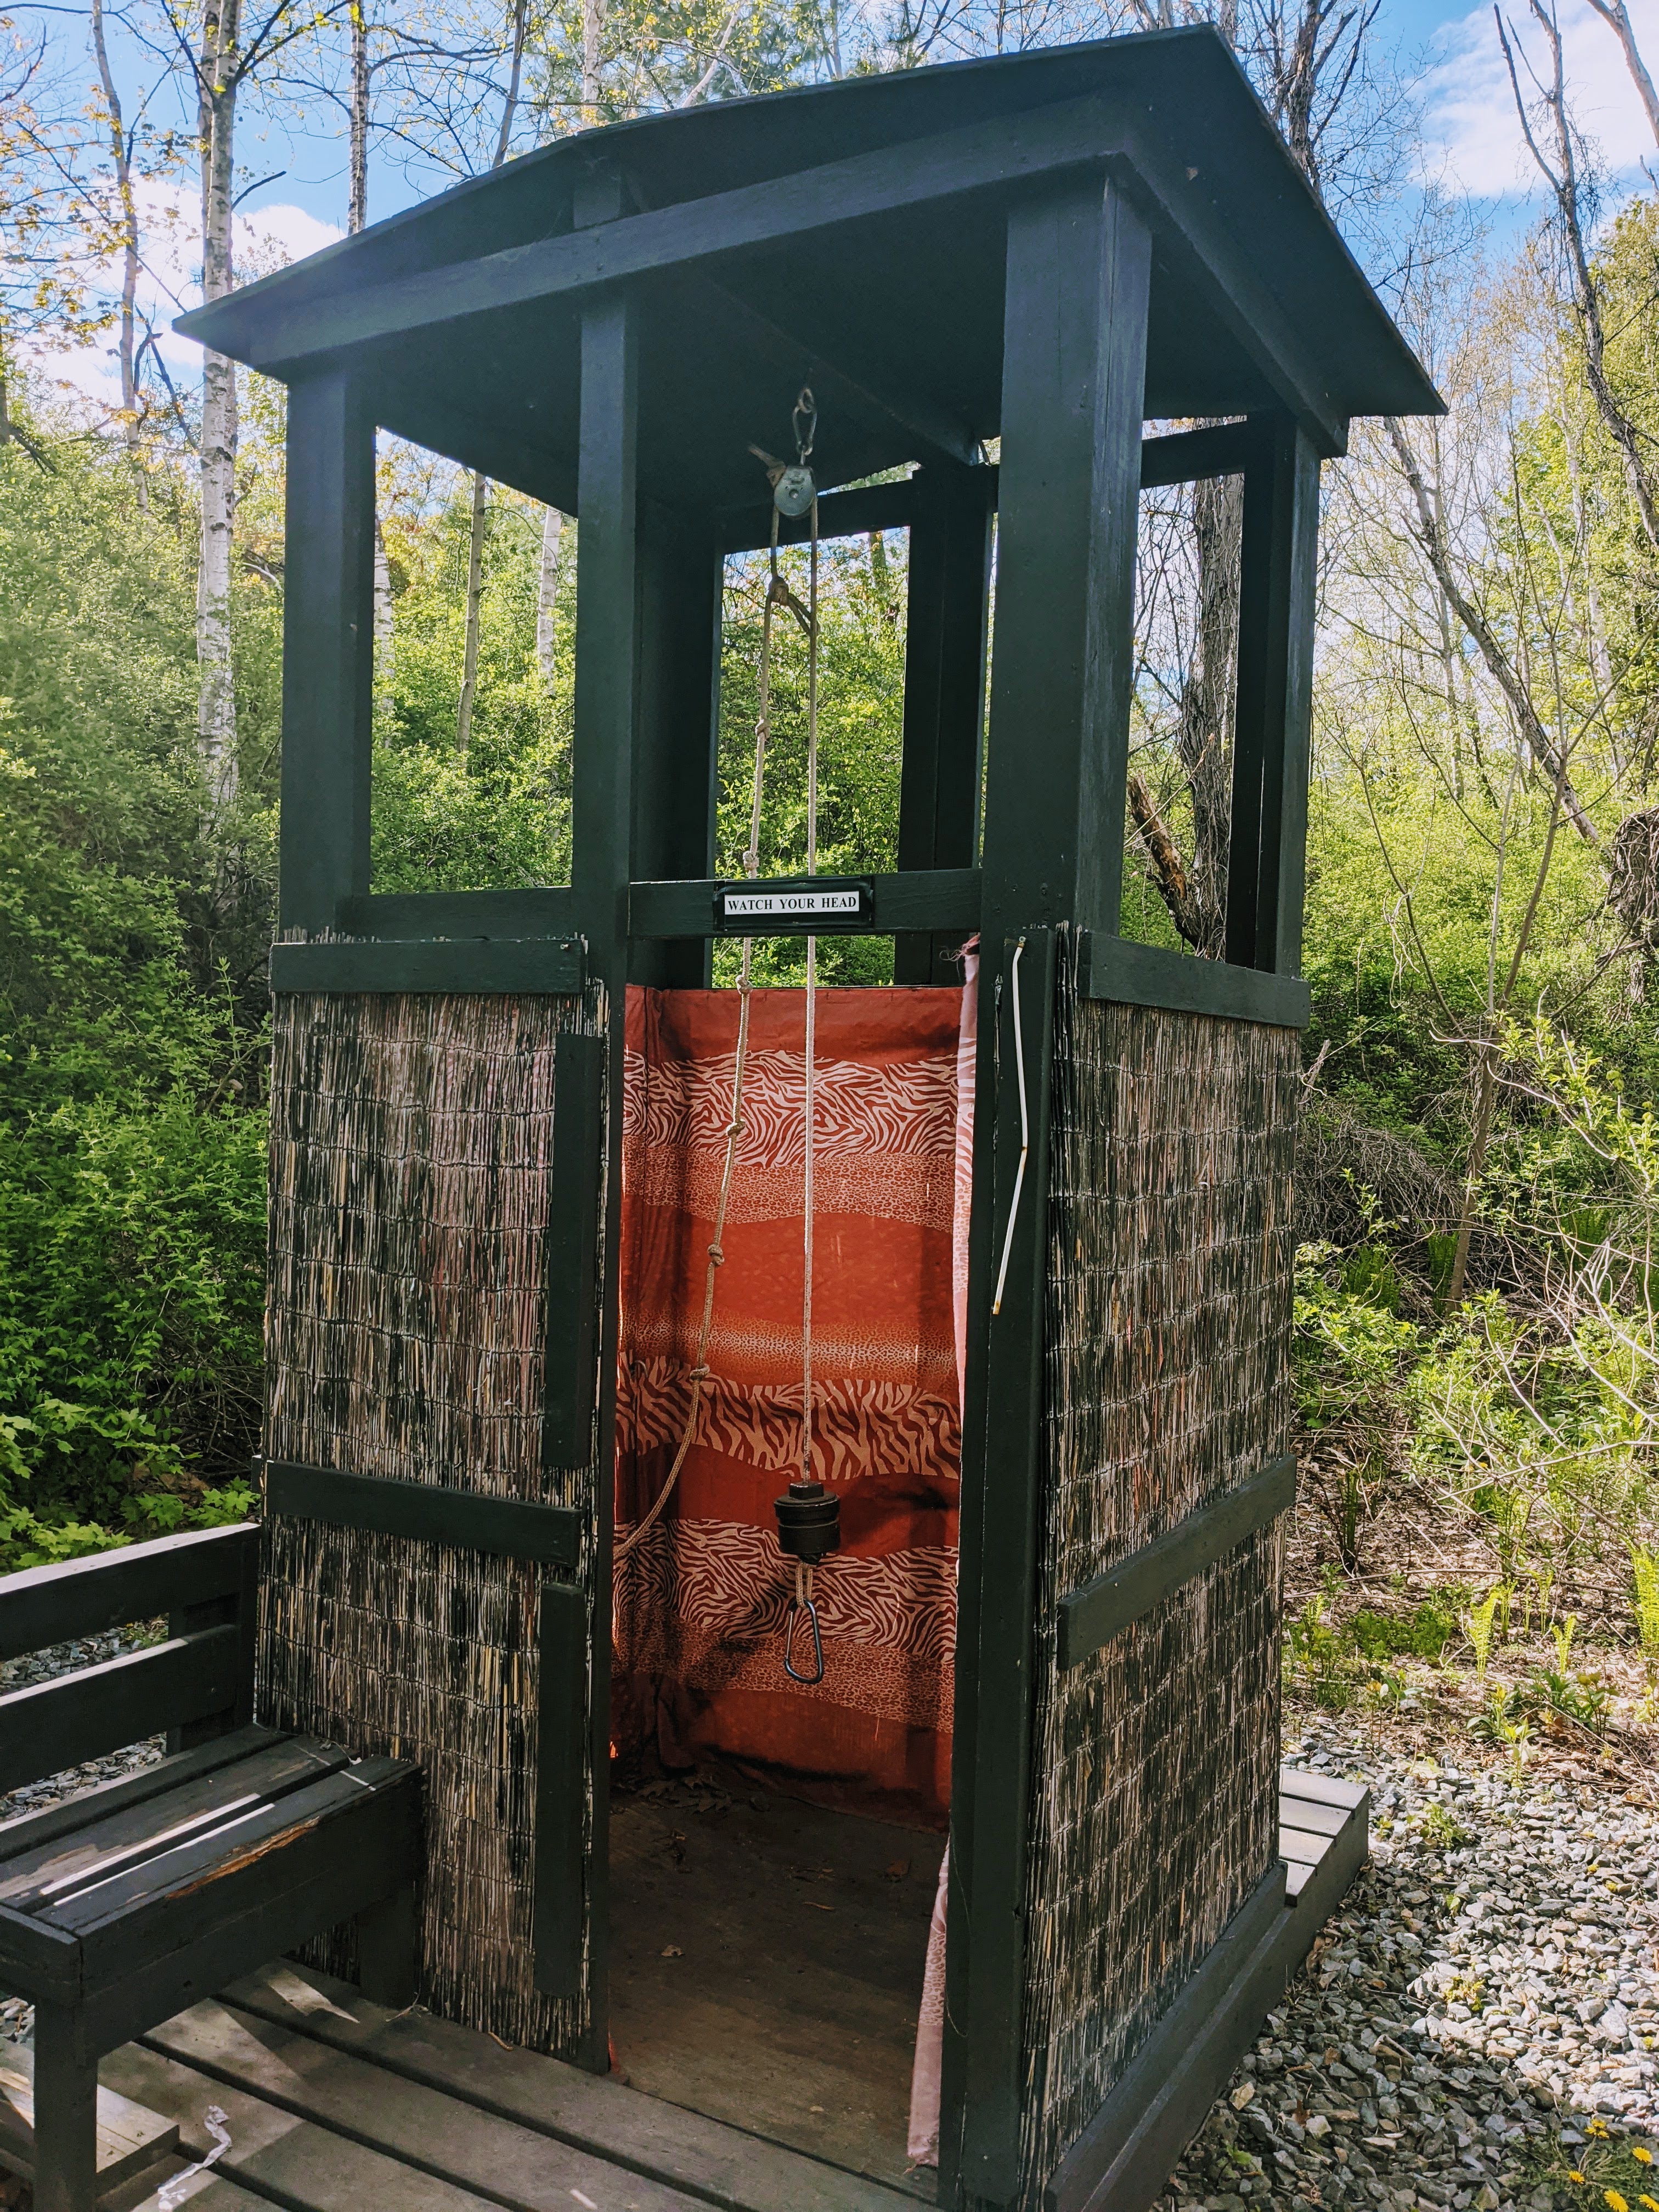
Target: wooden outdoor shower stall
{"type": "Point", "coordinates": [1055, 251]}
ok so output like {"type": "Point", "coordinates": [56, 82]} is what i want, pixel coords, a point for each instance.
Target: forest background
{"type": "Point", "coordinates": [1477, 1349]}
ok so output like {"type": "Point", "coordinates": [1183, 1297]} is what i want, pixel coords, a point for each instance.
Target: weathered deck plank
{"type": "Point", "coordinates": [719, 2164]}
{"type": "Point", "coordinates": [278, 2156]}
{"type": "Point", "coordinates": [424, 2128]}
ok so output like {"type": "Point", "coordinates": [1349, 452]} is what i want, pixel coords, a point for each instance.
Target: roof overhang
{"type": "Point", "coordinates": [851, 236]}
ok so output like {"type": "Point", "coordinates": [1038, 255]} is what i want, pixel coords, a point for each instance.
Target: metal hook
{"type": "Point", "coordinates": [802, 1602]}
{"type": "Point", "coordinates": [806, 411]}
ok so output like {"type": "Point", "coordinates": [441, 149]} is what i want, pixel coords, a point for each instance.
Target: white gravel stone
{"type": "Point", "coordinates": [1478, 2002]}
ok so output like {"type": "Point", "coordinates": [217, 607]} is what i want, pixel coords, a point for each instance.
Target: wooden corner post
{"type": "Point", "coordinates": [1073, 398]}
{"type": "Point", "coordinates": [945, 655]}
{"type": "Point", "coordinates": [328, 651]}
{"type": "Point", "coordinates": [606, 717]}
{"type": "Point", "coordinates": [1277, 582]}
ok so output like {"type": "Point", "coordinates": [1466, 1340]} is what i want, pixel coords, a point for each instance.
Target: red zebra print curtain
{"type": "Point", "coordinates": [700, 1603]}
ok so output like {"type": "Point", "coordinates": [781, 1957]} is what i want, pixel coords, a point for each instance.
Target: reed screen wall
{"type": "Point", "coordinates": [1154, 1790]}
{"type": "Point", "coordinates": [410, 1151]}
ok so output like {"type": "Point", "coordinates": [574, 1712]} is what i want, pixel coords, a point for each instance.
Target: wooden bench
{"type": "Point", "coordinates": [123, 1904]}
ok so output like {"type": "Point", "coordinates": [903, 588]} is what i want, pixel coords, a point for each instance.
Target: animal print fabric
{"type": "Point", "coordinates": [700, 1602]}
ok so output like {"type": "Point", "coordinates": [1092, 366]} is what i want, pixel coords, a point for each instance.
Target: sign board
{"type": "Point", "coordinates": [794, 904]}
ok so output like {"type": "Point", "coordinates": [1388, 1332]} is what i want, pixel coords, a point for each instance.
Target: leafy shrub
{"type": "Point", "coordinates": [1422, 1633]}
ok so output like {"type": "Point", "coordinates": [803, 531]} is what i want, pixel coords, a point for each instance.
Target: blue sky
{"type": "Point", "coordinates": [1473, 144]}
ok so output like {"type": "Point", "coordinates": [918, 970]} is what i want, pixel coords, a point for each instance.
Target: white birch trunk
{"type": "Point", "coordinates": [547, 591]}
{"type": "Point", "coordinates": [216, 711]}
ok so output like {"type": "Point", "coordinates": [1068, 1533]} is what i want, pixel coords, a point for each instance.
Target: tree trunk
{"type": "Point", "coordinates": [217, 712]}
{"type": "Point", "coordinates": [593, 50]}
{"type": "Point", "coordinates": [386, 648]}
{"type": "Point", "coordinates": [1203, 738]}
{"type": "Point", "coordinates": [547, 590]}
{"type": "Point", "coordinates": [474, 596]}
{"type": "Point", "coordinates": [357, 208]}
{"type": "Point", "coordinates": [1486, 1095]}
{"type": "Point", "coordinates": [121, 158]}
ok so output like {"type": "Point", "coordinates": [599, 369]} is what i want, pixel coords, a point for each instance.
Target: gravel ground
{"type": "Point", "coordinates": [17, 2018]}
{"type": "Point", "coordinates": [1477, 2027]}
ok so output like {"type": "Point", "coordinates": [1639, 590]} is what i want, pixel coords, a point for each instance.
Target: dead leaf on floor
{"type": "Point", "coordinates": [672, 1951]}
{"type": "Point", "coordinates": [899, 1869]}
{"type": "Point", "coordinates": [816, 1906]}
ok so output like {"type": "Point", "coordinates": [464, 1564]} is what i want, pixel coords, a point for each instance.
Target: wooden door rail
{"type": "Point", "coordinates": [1127, 974]}
{"type": "Point", "coordinates": [1091, 1616]}
{"type": "Point", "coordinates": [505, 1527]}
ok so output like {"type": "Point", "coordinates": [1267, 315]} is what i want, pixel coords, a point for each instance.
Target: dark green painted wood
{"type": "Point", "coordinates": [289, 334]}
{"type": "Point", "coordinates": [680, 579]}
{"type": "Point", "coordinates": [1273, 721]}
{"type": "Point", "coordinates": [42, 1605]}
{"type": "Point", "coordinates": [36, 1961]}
{"type": "Point", "coordinates": [945, 639]}
{"type": "Point", "coordinates": [386, 1950]}
{"type": "Point", "coordinates": [1220, 450]}
{"type": "Point", "coordinates": [945, 899]}
{"type": "Point", "coordinates": [1079, 266]}
{"type": "Point", "coordinates": [1130, 975]}
{"type": "Point", "coordinates": [841, 514]}
{"type": "Point", "coordinates": [574, 1196]}
{"type": "Point", "coordinates": [931, 430]}
{"type": "Point", "coordinates": [417, 915]}
{"type": "Point", "coordinates": [605, 739]}
{"type": "Point", "coordinates": [991, 1777]}
{"type": "Point", "coordinates": [425, 1512]}
{"type": "Point", "coordinates": [328, 650]}
{"type": "Point", "coordinates": [561, 1762]}
{"type": "Point", "coordinates": [31, 1832]}
{"type": "Point", "coordinates": [551, 965]}
{"type": "Point", "coordinates": [1091, 1616]}
{"type": "Point", "coordinates": [238, 1609]}
{"type": "Point", "coordinates": [66, 2117]}
{"type": "Point", "coordinates": [102, 1841]}
{"type": "Point", "coordinates": [52, 1725]}
{"type": "Point", "coordinates": [1162, 2100]}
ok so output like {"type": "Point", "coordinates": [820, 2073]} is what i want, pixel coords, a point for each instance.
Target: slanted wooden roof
{"type": "Point", "coordinates": [850, 235]}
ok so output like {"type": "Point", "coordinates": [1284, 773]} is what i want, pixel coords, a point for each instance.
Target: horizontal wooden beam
{"type": "Point", "coordinates": [933, 431]}
{"type": "Point", "coordinates": [1185, 456]}
{"type": "Point", "coordinates": [1089, 1618]}
{"type": "Point", "coordinates": [42, 1605]}
{"type": "Point", "coordinates": [431, 1512]}
{"type": "Point", "coordinates": [1124, 2157]}
{"type": "Point", "coordinates": [280, 336]}
{"type": "Point", "coordinates": [514, 914]}
{"type": "Point", "coordinates": [554, 966]}
{"type": "Point", "coordinates": [65, 1722]}
{"type": "Point", "coordinates": [920, 898]}
{"type": "Point", "coordinates": [1131, 974]}
{"type": "Point", "coordinates": [841, 514]}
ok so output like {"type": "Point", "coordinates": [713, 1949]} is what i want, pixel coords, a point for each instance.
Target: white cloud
{"type": "Point", "coordinates": [1472, 122]}
{"type": "Point", "coordinates": [169, 218]}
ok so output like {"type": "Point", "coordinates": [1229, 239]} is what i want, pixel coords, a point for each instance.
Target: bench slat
{"type": "Point", "coordinates": [190, 1871]}
{"type": "Point", "coordinates": [120, 1841]}
{"type": "Point", "coordinates": [49, 1726]}
{"type": "Point", "coordinates": [43, 1606]}
{"type": "Point", "coordinates": [26, 1832]}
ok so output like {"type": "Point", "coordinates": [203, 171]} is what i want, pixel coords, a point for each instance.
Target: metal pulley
{"type": "Point", "coordinates": [809, 1526]}
{"type": "Point", "coordinates": [809, 1522]}
{"type": "Point", "coordinates": [794, 491]}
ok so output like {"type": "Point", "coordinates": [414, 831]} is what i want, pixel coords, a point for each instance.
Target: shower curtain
{"type": "Point", "coordinates": [700, 1602]}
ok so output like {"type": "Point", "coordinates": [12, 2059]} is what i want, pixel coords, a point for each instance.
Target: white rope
{"type": "Point", "coordinates": [1024, 1133]}
{"type": "Point", "coordinates": [812, 1004]}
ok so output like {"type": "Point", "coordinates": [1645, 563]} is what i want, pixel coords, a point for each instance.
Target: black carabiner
{"type": "Point", "coordinates": [802, 1605]}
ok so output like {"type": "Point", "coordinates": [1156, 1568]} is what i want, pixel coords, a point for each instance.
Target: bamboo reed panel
{"type": "Point", "coordinates": [410, 1155]}
{"type": "Point", "coordinates": [1168, 1332]}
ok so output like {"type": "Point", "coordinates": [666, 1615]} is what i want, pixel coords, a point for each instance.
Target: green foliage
{"type": "Point", "coordinates": [132, 1132]}
{"type": "Point", "coordinates": [1422, 1633]}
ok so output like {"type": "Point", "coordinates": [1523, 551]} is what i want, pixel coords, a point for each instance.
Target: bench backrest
{"type": "Point", "coordinates": [198, 1683]}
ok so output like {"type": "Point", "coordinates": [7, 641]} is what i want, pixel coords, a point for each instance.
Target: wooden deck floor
{"type": "Point", "coordinates": [330, 2103]}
